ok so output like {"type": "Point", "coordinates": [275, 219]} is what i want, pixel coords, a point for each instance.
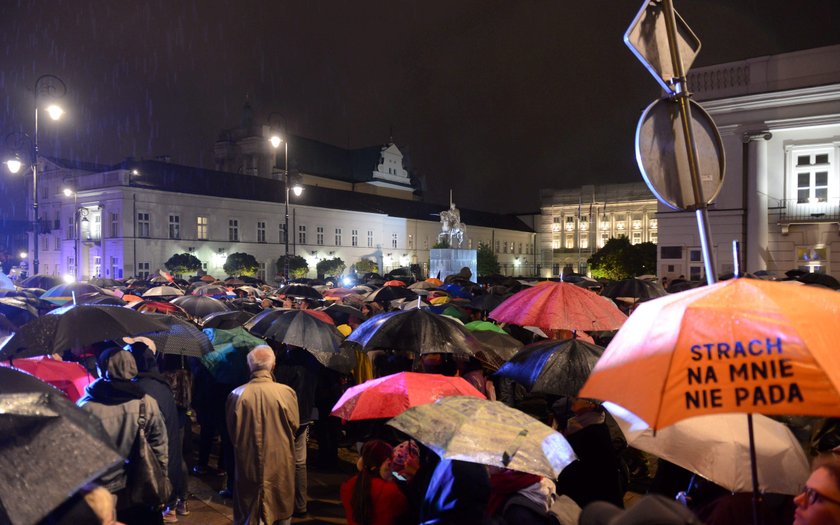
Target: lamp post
{"type": "Point", "coordinates": [49, 88]}
{"type": "Point", "coordinates": [275, 141]}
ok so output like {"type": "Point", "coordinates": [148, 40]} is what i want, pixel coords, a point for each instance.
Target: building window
{"type": "Point", "coordinates": [301, 234]}
{"type": "Point", "coordinates": [653, 223]}
{"type": "Point", "coordinates": [370, 238]}
{"type": "Point", "coordinates": [338, 236]}
{"type": "Point", "coordinates": [282, 234]}
{"type": "Point", "coordinates": [497, 246]}
{"type": "Point", "coordinates": [670, 252]}
{"type": "Point", "coordinates": [584, 223]}
{"type": "Point", "coordinates": [504, 247]}
{"type": "Point", "coordinates": [143, 224]}
{"type": "Point", "coordinates": [812, 259]}
{"type": "Point", "coordinates": [520, 248]}
{"type": "Point", "coordinates": [142, 270]}
{"type": "Point", "coordinates": [319, 235]}
{"type": "Point", "coordinates": [97, 266]}
{"type": "Point", "coordinates": [811, 174]}
{"type": "Point", "coordinates": [116, 269]}
{"type": "Point", "coordinates": [570, 241]}
{"type": "Point", "coordinates": [394, 240]}
{"type": "Point", "coordinates": [555, 223]}
{"type": "Point", "coordinates": [653, 237]}
{"type": "Point", "coordinates": [636, 238]}
{"type": "Point", "coordinates": [261, 231]}
{"type": "Point", "coordinates": [570, 223]}
{"type": "Point", "coordinates": [410, 241]}
{"type": "Point", "coordinates": [619, 222]}
{"type": "Point", "coordinates": [201, 228]}
{"type": "Point", "coordinates": [555, 243]}
{"type": "Point", "coordinates": [233, 230]}
{"type": "Point", "coordinates": [604, 238]}
{"type": "Point", "coordinates": [57, 243]}
{"type": "Point", "coordinates": [115, 225]}
{"type": "Point", "coordinates": [636, 221]}
{"type": "Point", "coordinates": [96, 231]}
{"type": "Point", "coordinates": [605, 223]}
{"type": "Point", "coordinates": [174, 227]}
{"type": "Point", "coordinates": [354, 237]}
{"type": "Point", "coordinates": [584, 241]}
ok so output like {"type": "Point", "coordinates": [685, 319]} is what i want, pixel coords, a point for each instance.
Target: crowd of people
{"type": "Point", "coordinates": [265, 426]}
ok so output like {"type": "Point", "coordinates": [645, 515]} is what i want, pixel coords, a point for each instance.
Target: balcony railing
{"type": "Point", "coordinates": [792, 212]}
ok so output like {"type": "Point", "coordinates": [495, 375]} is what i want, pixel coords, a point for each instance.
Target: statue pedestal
{"type": "Point", "coordinates": [448, 261]}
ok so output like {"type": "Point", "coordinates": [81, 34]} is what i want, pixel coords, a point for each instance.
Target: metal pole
{"type": "Point", "coordinates": [681, 96]}
{"type": "Point", "coordinates": [36, 223]}
{"type": "Point", "coordinates": [286, 184]}
{"type": "Point", "coordinates": [77, 233]}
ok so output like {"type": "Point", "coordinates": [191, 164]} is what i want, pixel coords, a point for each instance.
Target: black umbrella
{"type": "Point", "coordinates": [386, 294]}
{"type": "Point", "coordinates": [104, 282]}
{"type": "Point", "coordinates": [487, 302]}
{"type": "Point", "coordinates": [636, 289]}
{"type": "Point", "coordinates": [180, 338]}
{"type": "Point", "coordinates": [17, 310]}
{"type": "Point", "coordinates": [307, 329]}
{"type": "Point", "coordinates": [300, 291]}
{"type": "Point", "coordinates": [40, 281]}
{"type": "Point", "coordinates": [415, 330]}
{"type": "Point", "coordinates": [341, 313]}
{"type": "Point", "coordinates": [50, 448]}
{"type": "Point", "coordinates": [553, 367]}
{"type": "Point", "coordinates": [820, 279]}
{"type": "Point", "coordinates": [199, 305]}
{"type": "Point", "coordinates": [226, 320]}
{"type": "Point", "coordinates": [496, 347]}
{"type": "Point", "coordinates": [100, 298]}
{"type": "Point", "coordinates": [76, 326]}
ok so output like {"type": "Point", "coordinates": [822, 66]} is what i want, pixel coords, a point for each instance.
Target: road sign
{"type": "Point", "coordinates": [647, 38]}
{"type": "Point", "coordinates": [663, 160]}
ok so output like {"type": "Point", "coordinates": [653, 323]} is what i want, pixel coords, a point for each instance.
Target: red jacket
{"type": "Point", "coordinates": [389, 503]}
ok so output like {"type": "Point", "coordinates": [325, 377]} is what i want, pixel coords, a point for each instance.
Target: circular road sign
{"type": "Point", "coordinates": [663, 160]}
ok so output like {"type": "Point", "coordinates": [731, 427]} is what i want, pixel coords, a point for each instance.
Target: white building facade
{"type": "Point", "coordinates": [779, 119]}
{"type": "Point", "coordinates": [575, 223]}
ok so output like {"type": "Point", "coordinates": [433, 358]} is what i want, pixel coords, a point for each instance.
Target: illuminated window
{"type": "Point", "coordinates": [636, 223]}
{"type": "Point", "coordinates": [619, 222]}
{"type": "Point", "coordinates": [811, 171]}
{"type": "Point", "coordinates": [584, 241]}
{"type": "Point", "coordinates": [605, 223]}
{"type": "Point", "coordinates": [602, 241]}
{"type": "Point", "coordinates": [570, 241]}
{"type": "Point", "coordinates": [201, 228]}
{"type": "Point", "coordinates": [584, 224]}
{"type": "Point", "coordinates": [570, 223]}
{"type": "Point", "coordinates": [636, 238]}
{"type": "Point", "coordinates": [555, 243]}
{"type": "Point", "coordinates": [410, 242]}
{"type": "Point", "coordinates": [654, 238]}
{"type": "Point", "coordinates": [394, 240]}
{"type": "Point", "coordinates": [319, 235]}
{"type": "Point", "coordinates": [354, 237]}
{"type": "Point", "coordinates": [653, 223]}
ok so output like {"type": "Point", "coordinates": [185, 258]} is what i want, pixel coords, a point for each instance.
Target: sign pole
{"type": "Point", "coordinates": [681, 96]}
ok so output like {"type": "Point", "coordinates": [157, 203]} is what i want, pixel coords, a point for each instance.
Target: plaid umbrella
{"type": "Point", "coordinates": [181, 338]}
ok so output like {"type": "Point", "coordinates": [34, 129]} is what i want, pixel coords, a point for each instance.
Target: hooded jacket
{"type": "Point", "coordinates": [115, 400]}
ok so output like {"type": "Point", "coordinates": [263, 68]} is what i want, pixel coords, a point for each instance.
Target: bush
{"type": "Point", "coordinates": [183, 263]}
{"type": "Point", "coordinates": [238, 264]}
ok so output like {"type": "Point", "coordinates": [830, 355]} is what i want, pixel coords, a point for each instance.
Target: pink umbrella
{"type": "Point", "coordinates": [71, 378]}
{"type": "Point", "coordinates": [559, 306]}
{"type": "Point", "coordinates": [391, 395]}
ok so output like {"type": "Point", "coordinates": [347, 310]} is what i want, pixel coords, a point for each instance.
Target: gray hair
{"type": "Point", "coordinates": [261, 358]}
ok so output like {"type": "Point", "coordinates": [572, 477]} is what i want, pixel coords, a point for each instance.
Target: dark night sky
{"type": "Point", "coordinates": [494, 99]}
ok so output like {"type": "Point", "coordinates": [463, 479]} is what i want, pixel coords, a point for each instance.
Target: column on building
{"type": "Point", "coordinates": [757, 225]}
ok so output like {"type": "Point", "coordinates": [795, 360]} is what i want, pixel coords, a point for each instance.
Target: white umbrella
{"type": "Point", "coordinates": [717, 448]}
{"type": "Point", "coordinates": [163, 291]}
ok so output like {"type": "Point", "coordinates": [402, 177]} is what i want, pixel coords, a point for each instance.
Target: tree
{"type": "Point", "coordinates": [486, 261]}
{"type": "Point", "coordinates": [366, 266]}
{"type": "Point", "coordinates": [298, 266]}
{"type": "Point", "coordinates": [241, 264]}
{"type": "Point", "coordinates": [619, 259]}
{"type": "Point", "coordinates": [183, 263]}
{"type": "Point", "coordinates": [330, 267]}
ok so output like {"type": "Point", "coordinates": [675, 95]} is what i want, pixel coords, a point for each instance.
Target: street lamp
{"type": "Point", "coordinates": [275, 141]}
{"type": "Point", "coordinates": [48, 88]}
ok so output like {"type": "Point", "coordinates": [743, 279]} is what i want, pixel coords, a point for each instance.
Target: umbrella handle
{"type": "Point", "coordinates": [511, 451]}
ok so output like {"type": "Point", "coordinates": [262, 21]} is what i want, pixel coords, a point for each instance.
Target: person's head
{"type": "Point", "coordinates": [374, 460]}
{"type": "Point", "coordinates": [261, 358]}
{"type": "Point", "coordinates": [819, 503]}
{"type": "Point", "coordinates": [115, 364]}
{"type": "Point", "coordinates": [405, 460]}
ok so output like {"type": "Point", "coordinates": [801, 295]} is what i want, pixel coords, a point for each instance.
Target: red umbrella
{"type": "Point", "coordinates": [559, 306]}
{"type": "Point", "coordinates": [394, 282]}
{"type": "Point", "coordinates": [388, 396]}
{"type": "Point", "coordinates": [71, 378]}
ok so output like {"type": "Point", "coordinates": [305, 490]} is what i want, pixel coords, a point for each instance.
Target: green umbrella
{"type": "Point", "coordinates": [227, 363]}
{"type": "Point", "coordinates": [484, 326]}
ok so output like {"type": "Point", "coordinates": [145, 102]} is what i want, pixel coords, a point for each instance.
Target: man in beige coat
{"type": "Point", "coordinates": [262, 418]}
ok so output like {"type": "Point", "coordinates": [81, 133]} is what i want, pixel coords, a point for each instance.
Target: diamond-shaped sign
{"type": "Point", "coordinates": [647, 38]}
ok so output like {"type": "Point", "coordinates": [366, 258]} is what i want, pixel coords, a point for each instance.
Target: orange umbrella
{"type": "Point", "coordinates": [207, 278]}
{"type": "Point", "coordinates": [394, 282]}
{"type": "Point", "coordinates": [743, 345]}
{"type": "Point", "coordinates": [434, 281]}
{"type": "Point", "coordinates": [559, 306]}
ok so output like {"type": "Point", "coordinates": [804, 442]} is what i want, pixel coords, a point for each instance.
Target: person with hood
{"type": "Point", "coordinates": [262, 419]}
{"type": "Point", "coordinates": [115, 399]}
{"type": "Point", "coordinates": [371, 497]}
{"type": "Point", "coordinates": [153, 383]}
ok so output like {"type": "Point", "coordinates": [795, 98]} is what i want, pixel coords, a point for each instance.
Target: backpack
{"type": "Point", "coordinates": [180, 382]}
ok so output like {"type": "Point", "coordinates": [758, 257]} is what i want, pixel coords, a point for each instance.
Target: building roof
{"type": "Point", "coordinates": [619, 192]}
{"type": "Point", "coordinates": [165, 176]}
